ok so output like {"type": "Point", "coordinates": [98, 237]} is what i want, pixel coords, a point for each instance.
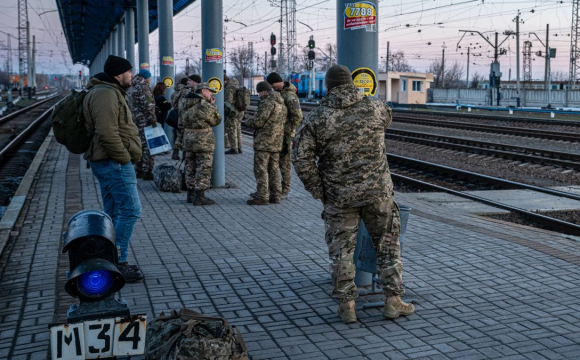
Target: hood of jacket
{"type": "Point", "coordinates": [342, 96]}
{"type": "Point", "coordinates": [179, 87]}
{"type": "Point", "coordinates": [233, 82]}
{"type": "Point", "coordinates": [139, 80]}
{"type": "Point", "coordinates": [191, 100]}
{"type": "Point", "coordinates": [103, 79]}
{"type": "Point", "coordinates": [289, 87]}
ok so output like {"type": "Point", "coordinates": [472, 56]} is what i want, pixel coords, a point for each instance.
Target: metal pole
{"type": "Point", "coordinates": [518, 59]}
{"type": "Point", "coordinates": [33, 72]}
{"type": "Point", "coordinates": [114, 38]}
{"type": "Point", "coordinates": [495, 58]}
{"type": "Point", "coordinates": [130, 36]}
{"type": "Point", "coordinates": [143, 32]}
{"type": "Point", "coordinates": [549, 79]}
{"type": "Point", "coordinates": [443, 70]}
{"type": "Point", "coordinates": [467, 82]}
{"type": "Point", "coordinates": [359, 48]}
{"type": "Point", "coordinates": [28, 58]}
{"type": "Point", "coordinates": [9, 71]}
{"type": "Point", "coordinates": [121, 39]}
{"type": "Point", "coordinates": [166, 61]}
{"type": "Point", "coordinates": [387, 71]}
{"type": "Point", "coordinates": [212, 38]}
{"type": "Point", "coordinates": [547, 63]}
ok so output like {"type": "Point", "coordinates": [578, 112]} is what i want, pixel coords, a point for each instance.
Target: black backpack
{"type": "Point", "coordinates": [68, 123]}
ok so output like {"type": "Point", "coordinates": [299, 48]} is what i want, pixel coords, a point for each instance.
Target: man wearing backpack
{"type": "Point", "coordinates": [185, 86]}
{"type": "Point", "coordinates": [114, 149]}
{"type": "Point", "coordinates": [293, 120]}
{"type": "Point", "coordinates": [233, 118]}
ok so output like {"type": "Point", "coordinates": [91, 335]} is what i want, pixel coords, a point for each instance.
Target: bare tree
{"type": "Point", "coordinates": [475, 80]}
{"type": "Point", "coordinates": [240, 60]}
{"type": "Point", "coordinates": [398, 62]}
{"type": "Point", "coordinates": [558, 75]}
{"type": "Point", "coordinates": [453, 74]}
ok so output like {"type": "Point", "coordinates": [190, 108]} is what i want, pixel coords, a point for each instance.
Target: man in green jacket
{"type": "Point", "coordinates": [115, 148]}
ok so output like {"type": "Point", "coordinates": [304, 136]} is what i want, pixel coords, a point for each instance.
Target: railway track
{"type": "Point", "coordinates": [16, 127]}
{"type": "Point", "coordinates": [434, 177]}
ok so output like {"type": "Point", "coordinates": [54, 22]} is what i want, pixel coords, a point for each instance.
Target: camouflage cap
{"type": "Point", "coordinates": [201, 86]}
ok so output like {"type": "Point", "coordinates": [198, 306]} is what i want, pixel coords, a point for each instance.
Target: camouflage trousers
{"type": "Point", "coordinates": [198, 168]}
{"type": "Point", "coordinates": [234, 130]}
{"type": "Point", "coordinates": [286, 171]}
{"type": "Point", "coordinates": [147, 162]}
{"type": "Point", "coordinates": [267, 173]}
{"type": "Point", "coordinates": [384, 225]}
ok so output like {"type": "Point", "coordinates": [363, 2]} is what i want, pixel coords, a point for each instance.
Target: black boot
{"type": "Point", "coordinates": [231, 151]}
{"type": "Point", "coordinates": [190, 193]}
{"type": "Point", "coordinates": [240, 151]}
{"type": "Point", "coordinates": [200, 199]}
{"type": "Point", "coordinates": [175, 155]}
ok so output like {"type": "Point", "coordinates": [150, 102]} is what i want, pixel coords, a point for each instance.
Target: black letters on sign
{"type": "Point", "coordinates": [135, 338]}
{"type": "Point", "coordinates": [102, 336]}
{"type": "Point", "coordinates": [68, 339]}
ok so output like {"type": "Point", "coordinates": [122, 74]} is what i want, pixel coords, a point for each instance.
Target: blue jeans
{"type": "Point", "coordinates": [120, 199]}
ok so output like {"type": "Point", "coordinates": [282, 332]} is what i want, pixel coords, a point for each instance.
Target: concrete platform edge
{"type": "Point", "coordinates": [13, 212]}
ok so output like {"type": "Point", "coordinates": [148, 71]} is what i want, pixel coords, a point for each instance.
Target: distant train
{"type": "Point", "coordinates": [302, 82]}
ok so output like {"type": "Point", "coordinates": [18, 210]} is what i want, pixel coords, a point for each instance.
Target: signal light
{"type": "Point", "coordinates": [273, 51]}
{"type": "Point", "coordinates": [55, 78]}
{"type": "Point", "coordinates": [80, 72]}
{"type": "Point", "coordinates": [311, 55]}
{"type": "Point", "coordinates": [311, 44]}
{"type": "Point", "coordinates": [93, 277]}
{"type": "Point", "coordinates": [272, 39]}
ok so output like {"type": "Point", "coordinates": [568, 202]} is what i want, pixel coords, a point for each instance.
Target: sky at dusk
{"type": "Point", "coordinates": [419, 28]}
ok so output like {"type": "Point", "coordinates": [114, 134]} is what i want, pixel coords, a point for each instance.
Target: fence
{"type": "Point", "coordinates": [529, 97]}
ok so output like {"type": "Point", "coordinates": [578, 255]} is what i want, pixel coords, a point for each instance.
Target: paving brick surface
{"type": "Point", "coordinates": [486, 290]}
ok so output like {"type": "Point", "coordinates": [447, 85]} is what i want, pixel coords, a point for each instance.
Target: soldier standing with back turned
{"type": "Point", "coordinates": [233, 116]}
{"type": "Point", "coordinates": [269, 124]}
{"type": "Point", "coordinates": [339, 154]}
{"type": "Point", "coordinates": [198, 115]}
{"type": "Point", "coordinates": [293, 120]}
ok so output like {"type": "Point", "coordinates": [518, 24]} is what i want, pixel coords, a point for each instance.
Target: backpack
{"type": "Point", "coordinates": [172, 118]}
{"type": "Point", "coordinates": [168, 178]}
{"type": "Point", "coordinates": [242, 100]}
{"type": "Point", "coordinates": [68, 123]}
{"type": "Point", "coordinates": [191, 335]}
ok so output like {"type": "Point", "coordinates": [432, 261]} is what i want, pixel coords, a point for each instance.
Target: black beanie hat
{"type": "Point", "coordinates": [195, 78]}
{"type": "Point", "coordinates": [116, 65]}
{"type": "Point", "coordinates": [274, 78]}
{"type": "Point", "coordinates": [183, 81]}
{"type": "Point", "coordinates": [263, 86]}
{"type": "Point", "coordinates": [337, 75]}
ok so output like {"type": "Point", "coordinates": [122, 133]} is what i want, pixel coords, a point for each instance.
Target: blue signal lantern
{"type": "Point", "coordinates": [93, 277]}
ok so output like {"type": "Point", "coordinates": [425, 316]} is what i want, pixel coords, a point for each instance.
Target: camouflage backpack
{"type": "Point", "coordinates": [168, 178]}
{"type": "Point", "coordinates": [191, 335]}
{"type": "Point", "coordinates": [242, 100]}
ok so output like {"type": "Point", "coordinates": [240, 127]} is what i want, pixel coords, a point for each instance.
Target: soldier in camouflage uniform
{"type": "Point", "coordinates": [226, 135]}
{"type": "Point", "coordinates": [293, 120]}
{"type": "Point", "coordinates": [269, 124]}
{"type": "Point", "coordinates": [233, 117]}
{"type": "Point", "coordinates": [198, 115]}
{"type": "Point", "coordinates": [142, 106]}
{"type": "Point", "coordinates": [339, 154]}
{"type": "Point", "coordinates": [185, 86]}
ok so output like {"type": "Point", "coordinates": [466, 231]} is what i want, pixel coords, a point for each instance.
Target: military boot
{"type": "Point", "coordinates": [394, 307]}
{"type": "Point", "coordinates": [139, 174]}
{"type": "Point", "coordinates": [347, 311]}
{"type": "Point", "coordinates": [257, 202]}
{"type": "Point", "coordinates": [148, 176]}
{"type": "Point", "coordinates": [199, 199]}
{"type": "Point", "coordinates": [175, 155]}
{"type": "Point", "coordinates": [240, 151]}
{"type": "Point", "coordinates": [231, 151]}
{"type": "Point", "coordinates": [190, 195]}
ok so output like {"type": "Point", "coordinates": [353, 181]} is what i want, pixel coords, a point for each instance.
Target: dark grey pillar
{"type": "Point", "coordinates": [358, 49]}
{"type": "Point", "coordinates": [213, 68]}
{"type": "Point", "coordinates": [166, 61]}
{"type": "Point", "coordinates": [121, 39]}
{"type": "Point", "coordinates": [114, 38]}
{"type": "Point", "coordinates": [143, 33]}
{"type": "Point", "coordinates": [130, 37]}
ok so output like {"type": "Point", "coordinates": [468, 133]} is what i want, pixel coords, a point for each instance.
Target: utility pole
{"type": "Point", "coordinates": [527, 62]}
{"type": "Point", "coordinates": [22, 33]}
{"type": "Point", "coordinates": [29, 57]}
{"type": "Point", "coordinates": [518, 59]}
{"type": "Point", "coordinates": [547, 64]}
{"type": "Point", "coordinates": [443, 69]}
{"type": "Point", "coordinates": [251, 65]}
{"type": "Point", "coordinates": [387, 71]}
{"type": "Point", "coordinates": [33, 71]}
{"type": "Point", "coordinates": [467, 82]}
{"type": "Point", "coordinates": [574, 49]}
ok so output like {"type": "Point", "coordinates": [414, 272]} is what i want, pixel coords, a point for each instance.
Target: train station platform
{"type": "Point", "coordinates": [485, 289]}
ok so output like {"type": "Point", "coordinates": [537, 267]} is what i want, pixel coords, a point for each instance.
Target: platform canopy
{"type": "Point", "coordinates": [87, 23]}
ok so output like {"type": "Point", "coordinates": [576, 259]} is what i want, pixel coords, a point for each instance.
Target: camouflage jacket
{"type": "Point", "coordinates": [294, 118]}
{"type": "Point", "coordinates": [339, 151]}
{"type": "Point", "coordinates": [230, 110]}
{"type": "Point", "coordinates": [269, 123]}
{"type": "Point", "coordinates": [180, 91]}
{"type": "Point", "coordinates": [198, 114]}
{"type": "Point", "coordinates": [141, 102]}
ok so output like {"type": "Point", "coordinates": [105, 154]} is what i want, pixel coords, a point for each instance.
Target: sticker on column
{"type": "Point", "coordinates": [215, 85]}
{"type": "Point", "coordinates": [360, 15]}
{"type": "Point", "coordinates": [144, 66]}
{"type": "Point", "coordinates": [214, 55]}
{"type": "Point", "coordinates": [365, 80]}
{"type": "Point", "coordinates": [167, 61]}
{"type": "Point", "coordinates": [168, 81]}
